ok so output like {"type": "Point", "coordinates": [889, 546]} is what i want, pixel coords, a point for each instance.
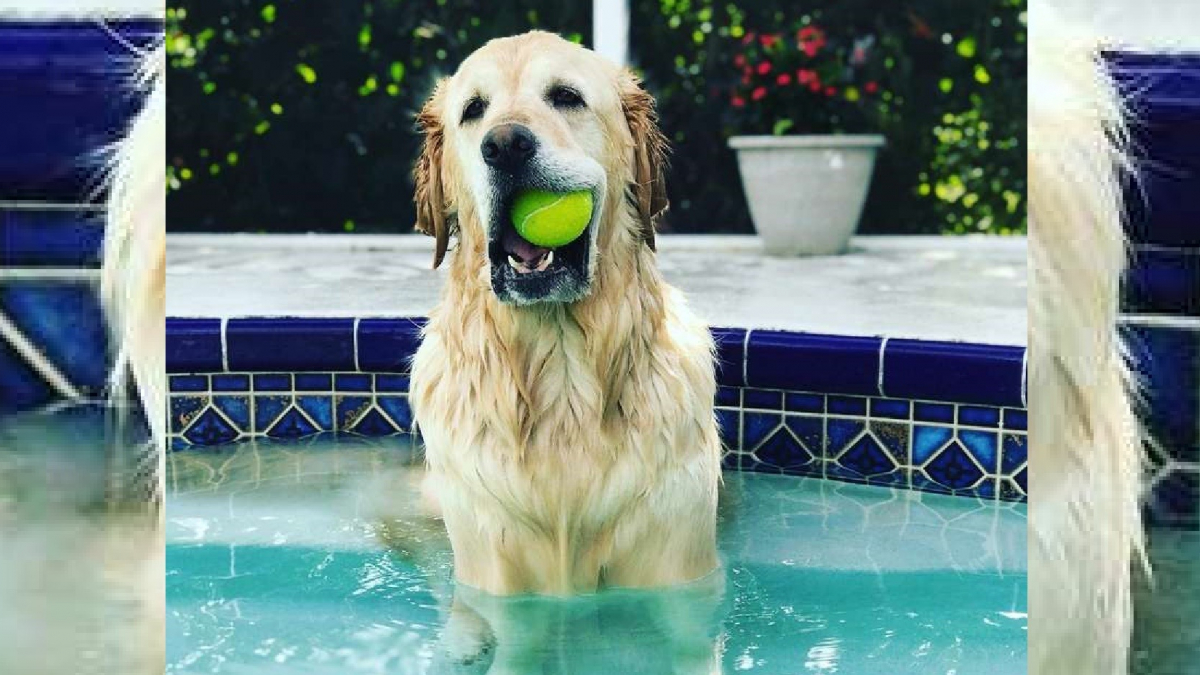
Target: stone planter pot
{"type": "Point", "coordinates": [806, 193]}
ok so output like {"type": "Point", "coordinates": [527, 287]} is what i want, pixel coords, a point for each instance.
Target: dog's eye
{"type": "Point", "coordinates": [565, 97]}
{"type": "Point", "coordinates": [474, 109]}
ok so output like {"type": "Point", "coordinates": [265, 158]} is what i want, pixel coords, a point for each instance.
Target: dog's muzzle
{"type": "Point", "coordinates": [523, 273]}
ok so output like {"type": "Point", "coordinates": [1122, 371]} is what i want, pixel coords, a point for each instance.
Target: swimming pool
{"type": "Point", "coordinates": [81, 569]}
{"type": "Point", "coordinates": [276, 563]}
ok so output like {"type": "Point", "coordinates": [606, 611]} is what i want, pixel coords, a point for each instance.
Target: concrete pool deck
{"type": "Point", "coordinates": [935, 288]}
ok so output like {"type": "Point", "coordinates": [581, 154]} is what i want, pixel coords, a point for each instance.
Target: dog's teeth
{"type": "Point", "coordinates": [546, 261]}
{"type": "Point", "coordinates": [512, 262]}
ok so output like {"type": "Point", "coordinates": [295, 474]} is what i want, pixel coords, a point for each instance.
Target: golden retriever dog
{"type": "Point", "coordinates": [1085, 445]}
{"type": "Point", "coordinates": [565, 396]}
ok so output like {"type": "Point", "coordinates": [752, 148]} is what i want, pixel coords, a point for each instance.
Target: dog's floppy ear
{"type": "Point", "coordinates": [649, 155]}
{"type": "Point", "coordinates": [429, 196]}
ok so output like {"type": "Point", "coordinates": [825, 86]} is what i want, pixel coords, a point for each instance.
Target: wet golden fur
{"type": "Point", "coordinates": [569, 446]}
{"type": "Point", "coordinates": [1085, 451]}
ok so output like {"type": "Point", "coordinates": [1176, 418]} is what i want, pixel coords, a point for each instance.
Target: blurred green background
{"type": "Point", "coordinates": [297, 116]}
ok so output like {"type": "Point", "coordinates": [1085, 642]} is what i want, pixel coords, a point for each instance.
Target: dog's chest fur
{"type": "Point", "coordinates": [563, 433]}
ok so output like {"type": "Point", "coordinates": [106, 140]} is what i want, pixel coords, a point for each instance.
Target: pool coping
{"type": "Point", "coordinates": [957, 372]}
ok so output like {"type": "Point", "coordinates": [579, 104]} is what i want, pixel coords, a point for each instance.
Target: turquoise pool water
{"type": "Point", "coordinates": [81, 567]}
{"type": "Point", "coordinates": [275, 565]}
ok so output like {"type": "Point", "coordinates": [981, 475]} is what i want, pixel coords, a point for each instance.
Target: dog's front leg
{"type": "Point", "coordinates": [690, 619]}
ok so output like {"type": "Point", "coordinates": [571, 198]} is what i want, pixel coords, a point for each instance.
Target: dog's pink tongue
{"type": "Point", "coordinates": [522, 250]}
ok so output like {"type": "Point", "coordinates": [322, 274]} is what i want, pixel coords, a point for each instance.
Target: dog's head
{"type": "Point", "coordinates": [536, 111]}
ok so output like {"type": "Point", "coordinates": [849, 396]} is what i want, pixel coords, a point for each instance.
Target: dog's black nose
{"type": "Point", "coordinates": [508, 147]}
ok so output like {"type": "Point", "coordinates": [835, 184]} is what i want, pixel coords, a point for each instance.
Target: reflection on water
{"type": "Point", "coordinates": [81, 577]}
{"type": "Point", "coordinates": [1166, 632]}
{"type": "Point", "coordinates": [279, 562]}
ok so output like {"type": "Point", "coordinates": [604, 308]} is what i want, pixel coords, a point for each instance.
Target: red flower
{"type": "Point", "coordinates": [769, 41]}
{"type": "Point", "coordinates": [810, 40]}
{"type": "Point", "coordinates": [806, 76]}
{"type": "Point", "coordinates": [738, 102]}
{"type": "Point", "coordinates": [815, 85]}
{"type": "Point", "coordinates": [830, 91]}
{"type": "Point", "coordinates": [764, 67]}
{"type": "Point", "coordinates": [783, 80]}
{"type": "Point", "coordinates": [739, 60]}
{"type": "Point", "coordinates": [749, 37]}
{"type": "Point", "coordinates": [758, 94]}
{"type": "Point", "coordinates": [871, 87]}
{"type": "Point", "coordinates": [746, 77]}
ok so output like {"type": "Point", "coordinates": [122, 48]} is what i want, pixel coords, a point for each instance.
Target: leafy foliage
{"type": "Point", "coordinates": [294, 116]}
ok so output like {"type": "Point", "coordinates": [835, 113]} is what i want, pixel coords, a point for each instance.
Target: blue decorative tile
{"type": "Point", "coordinates": [839, 433]}
{"type": "Point", "coordinates": [1014, 452]}
{"type": "Point", "coordinates": [866, 461]}
{"type": "Point", "coordinates": [927, 441]}
{"type": "Point", "coordinates": [50, 238]}
{"type": "Point", "coordinates": [293, 424]}
{"type": "Point", "coordinates": [210, 428]}
{"type": "Point", "coordinates": [183, 410]}
{"type": "Point", "coordinates": [1010, 490]}
{"type": "Point", "coordinates": [953, 371]}
{"type": "Point", "coordinates": [1175, 499]}
{"type": "Point", "coordinates": [64, 320]}
{"type": "Point", "coordinates": [933, 412]}
{"type": "Point", "coordinates": [65, 87]}
{"type": "Point", "coordinates": [349, 409]}
{"type": "Point", "coordinates": [952, 469]}
{"type": "Point", "coordinates": [810, 430]}
{"type": "Point", "coordinates": [763, 399]}
{"type": "Point", "coordinates": [194, 346]}
{"type": "Point", "coordinates": [236, 409]}
{"type": "Point", "coordinates": [391, 383]}
{"type": "Point", "coordinates": [1168, 361]}
{"type": "Point", "coordinates": [731, 460]}
{"type": "Point", "coordinates": [352, 382]}
{"type": "Point", "coordinates": [300, 345]}
{"type": "Point", "coordinates": [756, 426]}
{"type": "Point", "coordinates": [978, 416]}
{"type": "Point", "coordinates": [729, 424]}
{"type": "Point", "coordinates": [784, 452]}
{"type": "Point", "coordinates": [833, 364]}
{"type": "Point", "coordinates": [1015, 418]}
{"type": "Point", "coordinates": [188, 383]}
{"type": "Point", "coordinates": [314, 382]}
{"type": "Point", "coordinates": [373, 423]}
{"type": "Point", "coordinates": [731, 351]}
{"type": "Point", "coordinates": [982, 446]}
{"type": "Point", "coordinates": [1161, 89]}
{"type": "Point", "coordinates": [728, 397]}
{"type": "Point", "coordinates": [231, 383]}
{"type": "Point", "coordinates": [273, 382]}
{"type": "Point", "coordinates": [893, 436]}
{"type": "Point", "coordinates": [397, 410]}
{"type": "Point", "coordinates": [1163, 281]}
{"type": "Point", "coordinates": [318, 408]}
{"type": "Point", "coordinates": [267, 409]}
{"type": "Point", "coordinates": [846, 405]}
{"type": "Point", "coordinates": [388, 345]}
{"type": "Point", "coordinates": [21, 388]}
{"type": "Point", "coordinates": [890, 408]}
{"type": "Point", "coordinates": [804, 402]}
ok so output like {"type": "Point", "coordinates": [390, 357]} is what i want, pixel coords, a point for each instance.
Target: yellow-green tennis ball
{"type": "Point", "coordinates": [551, 219]}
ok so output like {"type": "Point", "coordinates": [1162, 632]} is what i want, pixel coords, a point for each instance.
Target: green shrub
{"type": "Point", "coordinates": [297, 116]}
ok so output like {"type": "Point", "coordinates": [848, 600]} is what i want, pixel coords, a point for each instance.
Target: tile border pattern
{"type": "Point", "coordinates": [930, 416]}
